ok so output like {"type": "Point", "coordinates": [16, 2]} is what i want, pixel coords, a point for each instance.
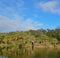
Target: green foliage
{"type": "Point", "coordinates": [26, 37]}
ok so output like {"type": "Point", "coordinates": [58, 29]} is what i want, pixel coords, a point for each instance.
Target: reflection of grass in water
{"type": "Point", "coordinates": [19, 53]}
{"type": "Point", "coordinates": [54, 54]}
{"type": "Point", "coordinates": [36, 53]}
{"type": "Point", "coordinates": [43, 53]}
{"type": "Point", "coordinates": [40, 53]}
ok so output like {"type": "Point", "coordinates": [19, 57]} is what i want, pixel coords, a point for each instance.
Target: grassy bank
{"type": "Point", "coordinates": [32, 38]}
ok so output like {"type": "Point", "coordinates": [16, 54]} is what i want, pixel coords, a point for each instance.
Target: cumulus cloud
{"type": "Point", "coordinates": [7, 24]}
{"type": "Point", "coordinates": [10, 19]}
{"type": "Point", "coordinates": [49, 6]}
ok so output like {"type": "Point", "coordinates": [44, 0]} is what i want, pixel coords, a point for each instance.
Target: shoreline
{"type": "Point", "coordinates": [44, 46]}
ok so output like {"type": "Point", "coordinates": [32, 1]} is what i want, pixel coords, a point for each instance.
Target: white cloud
{"type": "Point", "coordinates": [7, 24]}
{"type": "Point", "coordinates": [49, 6]}
{"type": "Point", "coordinates": [17, 23]}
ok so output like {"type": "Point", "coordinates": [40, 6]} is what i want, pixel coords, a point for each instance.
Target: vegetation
{"type": "Point", "coordinates": [25, 38]}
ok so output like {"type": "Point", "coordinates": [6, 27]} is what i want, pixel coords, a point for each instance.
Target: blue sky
{"type": "Point", "coordinates": [29, 14]}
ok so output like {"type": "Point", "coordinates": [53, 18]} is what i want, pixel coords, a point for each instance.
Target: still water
{"type": "Point", "coordinates": [29, 53]}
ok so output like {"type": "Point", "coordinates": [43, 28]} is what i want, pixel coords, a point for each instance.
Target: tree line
{"type": "Point", "coordinates": [41, 36]}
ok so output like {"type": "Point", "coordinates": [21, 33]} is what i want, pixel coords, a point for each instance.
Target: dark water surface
{"type": "Point", "coordinates": [29, 53]}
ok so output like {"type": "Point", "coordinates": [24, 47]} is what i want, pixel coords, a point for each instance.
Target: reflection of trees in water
{"type": "Point", "coordinates": [19, 53]}
{"type": "Point", "coordinates": [23, 53]}
{"type": "Point", "coordinates": [29, 53]}
{"type": "Point", "coordinates": [1, 51]}
{"type": "Point", "coordinates": [43, 53]}
{"type": "Point", "coordinates": [58, 54]}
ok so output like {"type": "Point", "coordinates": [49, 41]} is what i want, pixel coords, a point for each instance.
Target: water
{"type": "Point", "coordinates": [29, 53]}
